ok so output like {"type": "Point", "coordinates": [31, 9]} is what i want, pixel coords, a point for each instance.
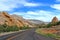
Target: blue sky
{"type": "Point", "coordinates": [43, 10]}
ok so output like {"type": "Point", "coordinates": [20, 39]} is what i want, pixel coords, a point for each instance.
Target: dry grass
{"type": "Point", "coordinates": [49, 32]}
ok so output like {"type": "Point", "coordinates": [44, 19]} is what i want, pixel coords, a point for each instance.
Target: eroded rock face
{"type": "Point", "coordinates": [5, 18]}
{"type": "Point", "coordinates": [20, 21]}
{"type": "Point", "coordinates": [54, 20]}
{"type": "Point", "coordinates": [11, 20]}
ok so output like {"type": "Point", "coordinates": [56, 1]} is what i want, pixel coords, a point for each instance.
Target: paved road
{"type": "Point", "coordinates": [25, 35]}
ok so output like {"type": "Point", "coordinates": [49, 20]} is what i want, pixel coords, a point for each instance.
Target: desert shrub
{"type": "Point", "coordinates": [52, 24]}
{"type": "Point", "coordinates": [42, 26]}
{"type": "Point", "coordinates": [24, 27]}
{"type": "Point", "coordinates": [45, 26]}
{"type": "Point", "coordinates": [49, 25]}
{"type": "Point", "coordinates": [1, 28]}
{"type": "Point", "coordinates": [58, 23]}
{"type": "Point", "coordinates": [6, 28]}
{"type": "Point", "coordinates": [12, 28]}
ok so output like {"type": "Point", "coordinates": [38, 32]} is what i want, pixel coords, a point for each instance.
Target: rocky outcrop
{"type": "Point", "coordinates": [20, 21]}
{"type": "Point", "coordinates": [5, 18]}
{"type": "Point", "coordinates": [12, 20]}
{"type": "Point", "coordinates": [54, 20]}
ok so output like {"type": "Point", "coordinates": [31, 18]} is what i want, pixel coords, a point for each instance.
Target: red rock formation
{"type": "Point", "coordinates": [54, 20]}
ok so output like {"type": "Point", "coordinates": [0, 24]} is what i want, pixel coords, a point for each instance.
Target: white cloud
{"type": "Point", "coordinates": [7, 5]}
{"type": "Point", "coordinates": [18, 13]}
{"type": "Point", "coordinates": [57, 0]}
{"type": "Point", "coordinates": [56, 6]}
{"type": "Point", "coordinates": [32, 13]}
{"type": "Point", "coordinates": [40, 15]}
{"type": "Point", "coordinates": [32, 4]}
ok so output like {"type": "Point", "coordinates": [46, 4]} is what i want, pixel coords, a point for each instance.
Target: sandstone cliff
{"type": "Point", "coordinates": [12, 20]}
{"type": "Point", "coordinates": [54, 20]}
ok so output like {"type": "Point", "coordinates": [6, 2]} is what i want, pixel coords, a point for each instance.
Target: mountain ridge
{"type": "Point", "coordinates": [11, 20]}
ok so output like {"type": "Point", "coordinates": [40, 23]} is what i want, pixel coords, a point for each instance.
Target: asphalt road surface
{"type": "Point", "coordinates": [25, 35]}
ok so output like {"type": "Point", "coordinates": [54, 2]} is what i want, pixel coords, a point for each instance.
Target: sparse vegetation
{"type": "Point", "coordinates": [25, 27]}
{"type": "Point", "coordinates": [49, 25]}
{"type": "Point", "coordinates": [12, 28]}
{"type": "Point", "coordinates": [51, 32]}
{"type": "Point", "coordinates": [47, 34]}
{"type": "Point", "coordinates": [6, 28]}
{"type": "Point", "coordinates": [45, 26]}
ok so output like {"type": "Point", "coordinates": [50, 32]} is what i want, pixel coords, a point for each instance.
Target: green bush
{"type": "Point", "coordinates": [50, 25]}
{"type": "Point", "coordinates": [6, 28]}
{"type": "Point", "coordinates": [24, 27]}
{"type": "Point", "coordinates": [46, 26]}
{"type": "Point", "coordinates": [12, 28]}
{"type": "Point", "coordinates": [58, 23]}
{"type": "Point", "coordinates": [1, 28]}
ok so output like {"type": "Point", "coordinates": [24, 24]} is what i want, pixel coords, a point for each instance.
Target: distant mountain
{"type": "Point", "coordinates": [35, 21]}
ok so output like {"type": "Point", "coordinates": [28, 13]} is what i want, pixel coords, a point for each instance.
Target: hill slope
{"type": "Point", "coordinates": [11, 20]}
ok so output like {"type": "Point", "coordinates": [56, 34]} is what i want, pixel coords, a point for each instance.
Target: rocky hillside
{"type": "Point", "coordinates": [12, 20]}
{"type": "Point", "coordinates": [36, 22]}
